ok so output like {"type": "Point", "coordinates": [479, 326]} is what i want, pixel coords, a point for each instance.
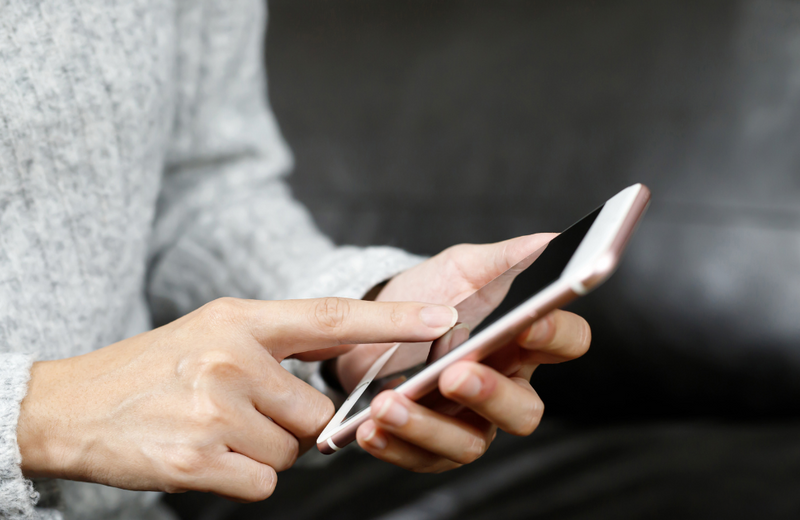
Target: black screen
{"type": "Point", "coordinates": [510, 289]}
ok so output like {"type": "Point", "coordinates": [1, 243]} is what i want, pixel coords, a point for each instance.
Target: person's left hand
{"type": "Point", "coordinates": [495, 393]}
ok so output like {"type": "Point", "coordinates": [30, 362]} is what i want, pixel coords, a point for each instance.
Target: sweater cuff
{"type": "Point", "coordinates": [347, 272]}
{"type": "Point", "coordinates": [17, 496]}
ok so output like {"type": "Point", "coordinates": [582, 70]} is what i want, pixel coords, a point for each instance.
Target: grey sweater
{"type": "Point", "coordinates": [140, 175]}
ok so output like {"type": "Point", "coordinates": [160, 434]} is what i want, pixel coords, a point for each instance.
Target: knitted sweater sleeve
{"type": "Point", "coordinates": [226, 223]}
{"type": "Point", "coordinates": [17, 497]}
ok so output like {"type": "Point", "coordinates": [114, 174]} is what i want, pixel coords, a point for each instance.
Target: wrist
{"type": "Point", "coordinates": [38, 429]}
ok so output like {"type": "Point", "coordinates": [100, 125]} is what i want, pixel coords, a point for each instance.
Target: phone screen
{"type": "Point", "coordinates": [504, 293]}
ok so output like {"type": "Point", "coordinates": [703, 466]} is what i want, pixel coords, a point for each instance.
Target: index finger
{"type": "Point", "coordinates": [290, 327]}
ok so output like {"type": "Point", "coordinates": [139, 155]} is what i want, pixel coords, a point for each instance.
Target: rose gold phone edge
{"type": "Point", "coordinates": [518, 319]}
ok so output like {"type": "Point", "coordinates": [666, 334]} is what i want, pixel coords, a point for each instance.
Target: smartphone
{"type": "Point", "coordinates": [570, 265]}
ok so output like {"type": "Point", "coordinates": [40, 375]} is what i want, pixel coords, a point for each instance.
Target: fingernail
{"type": "Point", "coordinates": [467, 385]}
{"type": "Point", "coordinates": [375, 439]}
{"type": "Point", "coordinates": [439, 316]}
{"type": "Point", "coordinates": [539, 331]}
{"type": "Point", "coordinates": [392, 413]}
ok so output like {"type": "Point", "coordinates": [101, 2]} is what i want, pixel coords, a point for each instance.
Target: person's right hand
{"type": "Point", "coordinates": [202, 403]}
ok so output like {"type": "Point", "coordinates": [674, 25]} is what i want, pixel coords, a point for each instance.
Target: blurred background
{"type": "Point", "coordinates": [423, 124]}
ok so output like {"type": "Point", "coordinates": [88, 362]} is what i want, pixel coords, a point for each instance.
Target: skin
{"type": "Point", "coordinates": [495, 394]}
{"type": "Point", "coordinates": [203, 404]}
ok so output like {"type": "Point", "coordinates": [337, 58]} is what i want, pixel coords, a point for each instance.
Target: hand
{"type": "Point", "coordinates": [495, 393]}
{"type": "Point", "coordinates": [201, 403]}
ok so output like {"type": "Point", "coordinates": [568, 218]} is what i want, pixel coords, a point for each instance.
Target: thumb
{"type": "Point", "coordinates": [291, 327]}
{"type": "Point", "coordinates": [501, 256]}
{"type": "Point", "coordinates": [482, 263]}
{"type": "Point", "coordinates": [499, 263]}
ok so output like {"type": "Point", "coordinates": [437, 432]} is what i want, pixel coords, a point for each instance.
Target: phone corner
{"type": "Point", "coordinates": [325, 447]}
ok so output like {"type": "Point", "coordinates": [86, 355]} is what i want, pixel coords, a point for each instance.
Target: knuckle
{"type": "Point", "coordinates": [215, 364]}
{"type": "Point", "coordinates": [262, 485]}
{"type": "Point", "coordinates": [219, 309]}
{"type": "Point", "coordinates": [330, 314]}
{"type": "Point", "coordinates": [529, 422]}
{"type": "Point", "coordinates": [325, 414]}
{"type": "Point", "coordinates": [183, 464]}
{"type": "Point", "coordinates": [396, 316]}
{"type": "Point", "coordinates": [315, 409]}
{"type": "Point", "coordinates": [320, 411]}
{"type": "Point", "coordinates": [281, 392]}
{"type": "Point", "coordinates": [289, 451]}
{"type": "Point", "coordinates": [458, 250]}
{"type": "Point", "coordinates": [475, 449]}
{"type": "Point", "coordinates": [207, 415]}
{"type": "Point", "coordinates": [451, 256]}
{"type": "Point", "coordinates": [214, 358]}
